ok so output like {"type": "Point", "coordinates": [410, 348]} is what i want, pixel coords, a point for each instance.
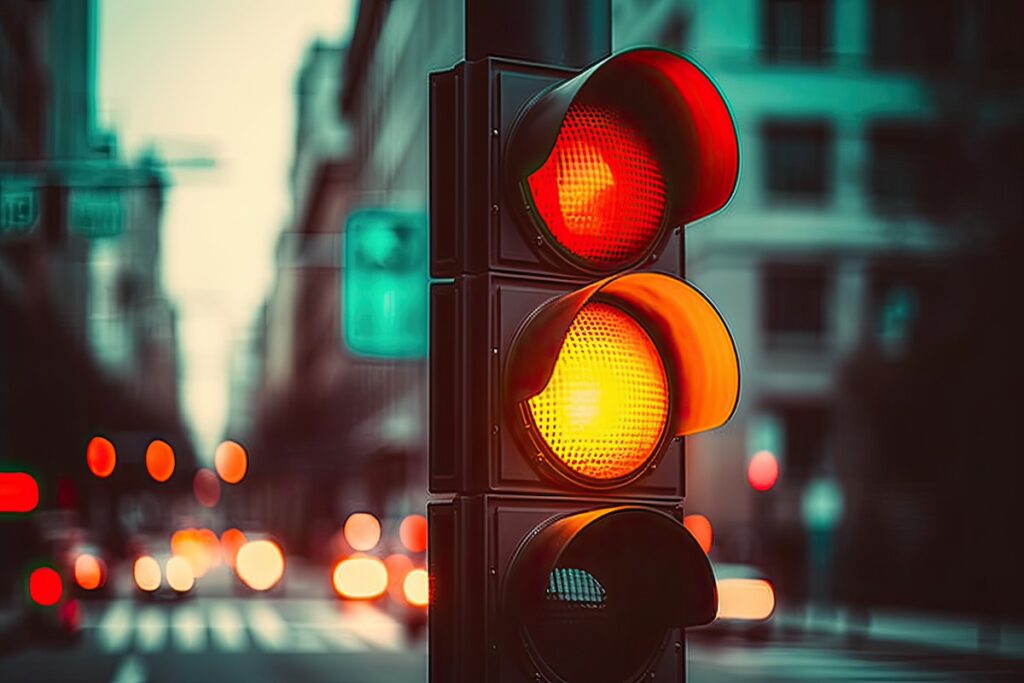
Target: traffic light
{"type": "Point", "coordinates": [568, 359]}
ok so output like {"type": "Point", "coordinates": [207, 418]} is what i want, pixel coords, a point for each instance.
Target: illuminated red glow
{"type": "Point", "coordinates": [19, 492]}
{"type": "Point", "coordinates": [763, 471]}
{"type": "Point", "coordinates": [101, 457]}
{"type": "Point", "coordinates": [601, 192]}
{"type": "Point", "coordinates": [45, 586]}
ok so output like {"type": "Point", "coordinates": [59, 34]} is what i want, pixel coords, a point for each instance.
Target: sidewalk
{"type": "Point", "coordinates": [934, 631]}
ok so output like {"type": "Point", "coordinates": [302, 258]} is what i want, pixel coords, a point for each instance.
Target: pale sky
{"type": "Point", "coordinates": [212, 78]}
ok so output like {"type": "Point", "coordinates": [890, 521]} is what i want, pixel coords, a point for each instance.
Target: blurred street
{"type": "Point", "coordinates": [301, 634]}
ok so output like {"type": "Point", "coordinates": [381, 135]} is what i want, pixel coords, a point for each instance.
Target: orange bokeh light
{"type": "Point", "coordinates": [360, 578]}
{"type": "Point", "coordinates": [146, 572]}
{"type": "Point", "coordinates": [206, 487]}
{"type": "Point", "coordinates": [90, 572]}
{"type": "Point", "coordinates": [260, 564]}
{"type": "Point", "coordinates": [763, 471]}
{"type": "Point", "coordinates": [199, 547]}
{"type": "Point", "coordinates": [413, 533]}
{"type": "Point", "coordinates": [231, 462]}
{"type": "Point", "coordinates": [416, 588]}
{"type": "Point", "coordinates": [101, 457]}
{"type": "Point", "coordinates": [160, 460]}
{"type": "Point", "coordinates": [45, 586]}
{"type": "Point", "coordinates": [700, 527]}
{"type": "Point", "coordinates": [362, 531]}
{"type": "Point", "coordinates": [230, 542]}
{"type": "Point", "coordinates": [745, 599]}
{"type": "Point", "coordinates": [398, 567]}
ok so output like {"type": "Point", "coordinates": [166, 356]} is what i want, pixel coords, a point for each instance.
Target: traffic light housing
{"type": "Point", "coordinates": [567, 361]}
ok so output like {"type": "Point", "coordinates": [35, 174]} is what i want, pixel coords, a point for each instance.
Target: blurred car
{"type": "Point", "coordinates": [746, 602]}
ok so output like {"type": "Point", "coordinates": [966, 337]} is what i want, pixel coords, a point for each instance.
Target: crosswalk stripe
{"type": "Point", "coordinates": [375, 627]}
{"type": "Point", "coordinates": [226, 628]}
{"type": "Point", "coordinates": [115, 628]}
{"type": "Point", "coordinates": [341, 638]}
{"type": "Point", "coordinates": [188, 629]}
{"type": "Point", "coordinates": [152, 629]}
{"type": "Point", "coordinates": [268, 628]}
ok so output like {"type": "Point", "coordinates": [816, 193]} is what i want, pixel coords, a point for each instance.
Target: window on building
{"type": "Point", "coordinates": [914, 34]}
{"type": "Point", "coordinates": [797, 31]}
{"type": "Point", "coordinates": [798, 160]}
{"type": "Point", "coordinates": [1001, 44]}
{"type": "Point", "coordinates": [795, 305]}
{"type": "Point", "coordinates": [806, 432]}
{"type": "Point", "coordinates": [913, 168]}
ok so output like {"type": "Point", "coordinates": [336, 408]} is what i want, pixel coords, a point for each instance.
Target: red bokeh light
{"type": "Point", "coordinates": [19, 492]}
{"type": "Point", "coordinates": [413, 533]}
{"type": "Point", "coordinates": [763, 471]}
{"type": "Point", "coordinates": [206, 487]}
{"type": "Point", "coordinates": [45, 586]}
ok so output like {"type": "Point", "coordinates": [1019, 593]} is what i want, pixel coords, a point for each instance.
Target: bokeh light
{"type": "Point", "coordinates": [360, 578]}
{"type": "Point", "coordinates": [398, 566]}
{"type": "Point", "coordinates": [179, 574]}
{"type": "Point", "coordinates": [260, 564]}
{"type": "Point", "coordinates": [206, 487]}
{"type": "Point", "coordinates": [413, 533]}
{"type": "Point", "coordinates": [147, 573]}
{"type": "Point", "coordinates": [763, 471]}
{"type": "Point", "coordinates": [160, 460]}
{"type": "Point", "coordinates": [19, 492]}
{"type": "Point", "coordinates": [700, 527]}
{"type": "Point", "coordinates": [230, 542]}
{"type": "Point", "coordinates": [101, 456]}
{"type": "Point", "coordinates": [231, 462]}
{"type": "Point", "coordinates": [416, 588]}
{"type": "Point", "coordinates": [45, 586]}
{"type": "Point", "coordinates": [90, 572]}
{"type": "Point", "coordinates": [745, 599]}
{"type": "Point", "coordinates": [362, 531]}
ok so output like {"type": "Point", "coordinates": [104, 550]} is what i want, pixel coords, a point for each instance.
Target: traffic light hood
{"type": "Point", "coordinates": [690, 334]}
{"type": "Point", "coordinates": [670, 100]}
{"type": "Point", "coordinates": [612, 580]}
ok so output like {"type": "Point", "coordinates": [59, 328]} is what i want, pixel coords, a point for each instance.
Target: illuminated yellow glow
{"type": "Point", "coordinates": [417, 588]}
{"type": "Point", "coordinates": [147, 573]}
{"type": "Point", "coordinates": [260, 564]}
{"type": "Point", "coordinates": [605, 406]}
{"type": "Point", "coordinates": [745, 599]}
{"type": "Point", "coordinates": [179, 574]}
{"type": "Point", "coordinates": [360, 578]}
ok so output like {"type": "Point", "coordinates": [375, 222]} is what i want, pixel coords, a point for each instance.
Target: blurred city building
{"type": "Point", "coordinates": [89, 342]}
{"type": "Point", "coordinates": [854, 119]}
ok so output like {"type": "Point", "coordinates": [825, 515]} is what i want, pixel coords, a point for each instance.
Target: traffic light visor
{"type": "Point", "coordinates": [612, 159]}
{"type": "Point", "coordinates": [604, 376]}
{"type": "Point", "coordinates": [592, 594]}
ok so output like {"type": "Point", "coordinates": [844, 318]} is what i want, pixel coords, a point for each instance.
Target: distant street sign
{"type": "Point", "coordinates": [385, 284]}
{"type": "Point", "coordinates": [19, 206]}
{"type": "Point", "coordinates": [95, 212]}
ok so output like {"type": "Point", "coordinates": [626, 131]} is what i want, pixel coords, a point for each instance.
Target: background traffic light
{"type": "Point", "coordinates": [567, 361]}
